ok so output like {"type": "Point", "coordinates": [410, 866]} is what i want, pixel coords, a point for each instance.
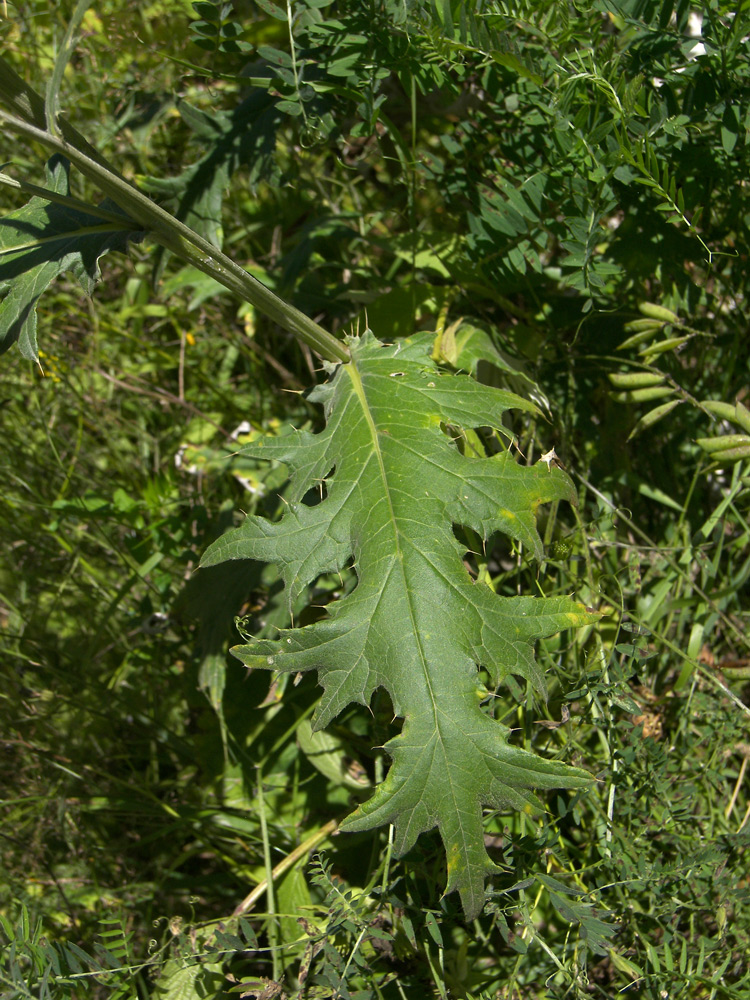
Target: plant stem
{"type": "Point", "coordinates": [273, 929]}
{"type": "Point", "coordinates": [165, 229]}
{"type": "Point", "coordinates": [285, 864]}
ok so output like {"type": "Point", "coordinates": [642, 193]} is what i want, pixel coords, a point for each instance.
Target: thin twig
{"type": "Point", "coordinates": [285, 864]}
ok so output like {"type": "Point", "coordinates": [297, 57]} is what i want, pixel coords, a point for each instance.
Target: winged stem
{"type": "Point", "coordinates": [164, 228]}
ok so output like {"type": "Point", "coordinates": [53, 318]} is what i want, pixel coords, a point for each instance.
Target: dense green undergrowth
{"type": "Point", "coordinates": [554, 198]}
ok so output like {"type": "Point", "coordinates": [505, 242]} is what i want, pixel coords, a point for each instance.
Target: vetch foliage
{"type": "Point", "coordinates": [416, 624]}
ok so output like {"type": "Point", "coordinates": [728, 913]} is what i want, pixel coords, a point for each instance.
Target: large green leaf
{"type": "Point", "coordinates": [43, 240]}
{"type": "Point", "coordinates": [416, 624]}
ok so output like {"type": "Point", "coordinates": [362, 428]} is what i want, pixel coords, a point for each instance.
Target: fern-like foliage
{"type": "Point", "coordinates": [416, 624]}
{"type": "Point", "coordinates": [32, 966]}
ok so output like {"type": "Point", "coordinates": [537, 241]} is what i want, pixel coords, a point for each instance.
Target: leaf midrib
{"type": "Point", "coordinates": [70, 236]}
{"type": "Point", "coordinates": [359, 391]}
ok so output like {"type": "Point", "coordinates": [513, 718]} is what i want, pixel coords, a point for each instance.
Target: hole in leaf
{"type": "Point", "coordinates": [317, 493]}
{"type": "Point", "coordinates": [368, 729]}
{"type": "Point", "coordinates": [328, 589]}
{"type": "Point", "coordinates": [471, 557]}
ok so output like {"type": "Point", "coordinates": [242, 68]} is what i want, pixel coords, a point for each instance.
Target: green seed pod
{"type": "Point", "coordinates": [643, 395]}
{"type": "Point", "coordinates": [653, 416]}
{"type": "Point", "coordinates": [736, 673]}
{"type": "Point", "coordinates": [739, 414]}
{"type": "Point", "coordinates": [723, 443]}
{"type": "Point", "coordinates": [661, 346]}
{"type": "Point", "coordinates": [732, 454]}
{"type": "Point", "coordinates": [634, 380]}
{"type": "Point", "coordinates": [654, 311]}
{"type": "Point", "coordinates": [640, 325]}
{"type": "Point", "coordinates": [642, 336]}
{"type": "Point", "coordinates": [742, 416]}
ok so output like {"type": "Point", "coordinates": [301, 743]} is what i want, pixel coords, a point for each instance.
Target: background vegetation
{"type": "Point", "coordinates": [568, 179]}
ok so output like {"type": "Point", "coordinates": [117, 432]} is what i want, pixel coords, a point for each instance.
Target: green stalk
{"type": "Point", "coordinates": [299, 852]}
{"type": "Point", "coordinates": [164, 228]}
{"type": "Point", "coordinates": [273, 927]}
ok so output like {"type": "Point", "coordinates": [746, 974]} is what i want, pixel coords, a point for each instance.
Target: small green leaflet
{"type": "Point", "coordinates": [416, 624]}
{"type": "Point", "coordinates": [43, 240]}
